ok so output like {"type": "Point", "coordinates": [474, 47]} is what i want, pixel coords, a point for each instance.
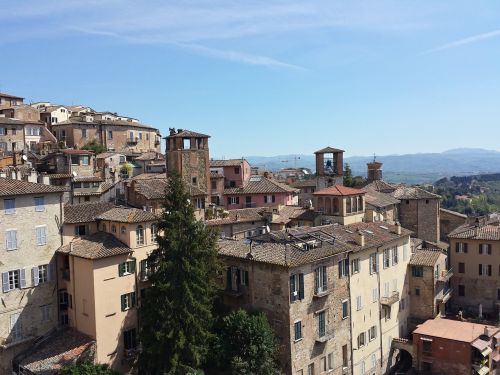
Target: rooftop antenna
{"type": "Point", "coordinates": [374, 157]}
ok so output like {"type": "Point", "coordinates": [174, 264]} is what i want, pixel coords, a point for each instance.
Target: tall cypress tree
{"type": "Point", "coordinates": [176, 315]}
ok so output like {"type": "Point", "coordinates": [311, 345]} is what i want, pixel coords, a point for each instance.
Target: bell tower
{"type": "Point", "coordinates": [329, 167]}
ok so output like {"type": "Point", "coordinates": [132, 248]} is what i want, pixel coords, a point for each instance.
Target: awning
{"type": "Point", "coordinates": [486, 351]}
{"type": "Point", "coordinates": [480, 345]}
{"type": "Point", "coordinates": [483, 370]}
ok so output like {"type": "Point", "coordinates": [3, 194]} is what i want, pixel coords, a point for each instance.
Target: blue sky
{"type": "Point", "coordinates": [269, 77]}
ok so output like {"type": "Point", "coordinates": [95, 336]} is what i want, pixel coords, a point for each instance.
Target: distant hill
{"type": "Point", "coordinates": [410, 168]}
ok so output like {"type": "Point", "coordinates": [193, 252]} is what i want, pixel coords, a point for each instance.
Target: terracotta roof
{"type": "Point", "coordinates": [87, 179]}
{"type": "Point", "coordinates": [239, 216]}
{"type": "Point", "coordinates": [78, 121]}
{"type": "Point", "coordinates": [454, 213]}
{"type": "Point", "coordinates": [261, 185]}
{"type": "Point", "coordinates": [288, 213]}
{"type": "Point", "coordinates": [216, 175]}
{"type": "Point", "coordinates": [489, 231]}
{"type": "Point", "coordinates": [103, 187]}
{"type": "Point", "coordinates": [186, 134]}
{"type": "Point", "coordinates": [85, 212]}
{"type": "Point", "coordinates": [226, 163]}
{"type": "Point", "coordinates": [4, 95]}
{"type": "Point", "coordinates": [378, 199]}
{"type": "Point", "coordinates": [425, 257]}
{"type": "Point", "coordinates": [57, 176]}
{"type": "Point", "coordinates": [153, 155]}
{"type": "Point", "coordinates": [453, 329]}
{"type": "Point", "coordinates": [62, 348]}
{"type": "Point", "coordinates": [71, 151]}
{"type": "Point", "coordinates": [304, 183]}
{"type": "Point", "coordinates": [104, 155]}
{"type": "Point", "coordinates": [149, 176]}
{"type": "Point", "coordinates": [403, 192]}
{"type": "Point", "coordinates": [339, 190]}
{"type": "Point", "coordinates": [328, 149]}
{"type": "Point", "coordinates": [96, 246]}
{"type": "Point", "coordinates": [280, 247]}
{"type": "Point", "coordinates": [127, 215]}
{"type": "Point", "coordinates": [152, 188]}
{"type": "Point", "coordinates": [10, 187]}
{"type": "Point", "coordinates": [15, 121]}
{"type": "Point", "coordinates": [379, 185]}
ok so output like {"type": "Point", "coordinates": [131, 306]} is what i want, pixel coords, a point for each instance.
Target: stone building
{"type": "Point", "coordinates": [380, 206]}
{"type": "Point", "coordinates": [187, 154]}
{"type": "Point", "coordinates": [475, 259]}
{"type": "Point", "coordinates": [231, 173]}
{"type": "Point", "coordinates": [329, 167]}
{"type": "Point", "coordinates": [340, 204]}
{"type": "Point", "coordinates": [24, 135]}
{"type": "Point", "coordinates": [103, 276]}
{"type": "Point", "coordinates": [306, 188]}
{"type": "Point", "coordinates": [7, 100]}
{"type": "Point", "coordinates": [429, 278]}
{"type": "Point", "coordinates": [237, 224]}
{"type": "Point", "coordinates": [443, 346]}
{"type": "Point", "coordinates": [30, 219]}
{"type": "Point", "coordinates": [109, 164]}
{"type": "Point", "coordinates": [21, 112]}
{"type": "Point", "coordinates": [449, 221]}
{"type": "Point", "coordinates": [53, 114]}
{"type": "Point", "coordinates": [330, 304]}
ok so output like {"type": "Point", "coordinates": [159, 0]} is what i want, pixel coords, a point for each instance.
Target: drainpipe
{"type": "Point", "coordinates": [379, 311]}
{"type": "Point", "coordinates": [350, 314]}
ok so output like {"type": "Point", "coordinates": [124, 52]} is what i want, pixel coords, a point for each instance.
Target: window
{"type": "Point", "coordinates": [213, 185]}
{"type": "Point", "coordinates": [154, 232]}
{"type": "Point", "coordinates": [461, 267]}
{"type": "Point", "coordinates": [359, 303]}
{"type": "Point", "coordinates": [236, 170]}
{"type": "Point", "coordinates": [297, 287]}
{"type": "Point", "coordinates": [361, 339]}
{"type": "Point", "coordinates": [84, 133]}
{"type": "Point", "coordinates": [41, 235]}
{"type": "Point", "coordinates": [11, 239]}
{"type": "Point", "coordinates": [485, 270]}
{"type": "Point", "coordinates": [374, 360]}
{"type": "Point", "coordinates": [140, 135]}
{"type": "Point", "coordinates": [110, 134]}
{"type": "Point", "coordinates": [427, 346]}
{"type": "Point", "coordinates": [322, 363]}
{"type": "Point", "coordinates": [322, 324]}
{"type": "Point", "coordinates": [321, 280]}
{"type": "Point", "coordinates": [144, 269]}
{"type": "Point", "coordinates": [372, 333]}
{"type": "Point", "coordinates": [461, 290]}
{"type": "Point", "coordinates": [387, 258]}
{"type": "Point", "coordinates": [344, 268]}
{"type": "Point", "coordinates": [123, 230]}
{"type": "Point", "coordinates": [113, 228]}
{"type": "Point", "coordinates": [80, 230]}
{"type": "Point", "coordinates": [374, 294]}
{"type": "Point", "coordinates": [310, 369]}
{"type": "Point", "coordinates": [355, 266]}
{"type": "Point", "coordinates": [298, 330]}
{"type": "Point", "coordinates": [139, 235]}
{"type": "Point", "coordinates": [330, 361]}
{"type": "Point", "coordinates": [417, 271]}
{"type": "Point", "coordinates": [39, 204]}
{"type": "Point", "coordinates": [395, 285]}
{"type": "Point", "coordinates": [417, 291]}
{"type": "Point", "coordinates": [395, 255]}
{"type": "Point", "coordinates": [129, 339]}
{"type": "Point", "coordinates": [194, 180]}
{"type": "Point", "coordinates": [345, 309]}
{"type": "Point", "coordinates": [345, 358]}
{"type": "Point", "coordinates": [269, 199]}
{"type": "Point", "coordinates": [485, 248]}
{"type": "Point", "coordinates": [13, 280]}
{"type": "Point", "coordinates": [9, 206]}
{"type": "Point", "coordinates": [461, 247]}
{"type": "Point", "coordinates": [233, 200]}
{"type": "Point", "coordinates": [126, 268]}
{"type": "Point", "coordinates": [3, 131]}
{"type": "Point", "coordinates": [85, 160]}
{"type": "Point", "coordinates": [128, 301]}
{"type": "Point", "coordinates": [45, 313]}
{"type": "Point", "coordinates": [16, 331]}
{"type": "Point", "coordinates": [373, 263]}
{"type": "Point", "coordinates": [40, 274]}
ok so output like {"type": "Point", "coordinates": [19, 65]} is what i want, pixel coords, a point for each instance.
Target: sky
{"type": "Point", "coordinates": [269, 77]}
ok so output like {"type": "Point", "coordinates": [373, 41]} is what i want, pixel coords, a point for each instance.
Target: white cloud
{"type": "Point", "coordinates": [469, 40]}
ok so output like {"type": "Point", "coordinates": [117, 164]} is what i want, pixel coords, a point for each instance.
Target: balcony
{"type": "Point", "coordinates": [390, 300]}
{"type": "Point", "coordinates": [445, 276]}
{"type": "Point", "coordinates": [444, 296]}
{"type": "Point", "coordinates": [324, 337]}
{"type": "Point", "coordinates": [320, 293]}
{"type": "Point", "coordinates": [132, 141]}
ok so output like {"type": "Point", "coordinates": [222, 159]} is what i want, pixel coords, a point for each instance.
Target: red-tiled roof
{"type": "Point", "coordinates": [339, 190]}
{"type": "Point", "coordinates": [10, 187]}
{"type": "Point", "coordinates": [328, 149]}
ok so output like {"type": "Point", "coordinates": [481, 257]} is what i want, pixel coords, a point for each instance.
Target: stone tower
{"type": "Point", "coordinates": [187, 154]}
{"type": "Point", "coordinates": [329, 167]}
{"type": "Point", "coordinates": [374, 171]}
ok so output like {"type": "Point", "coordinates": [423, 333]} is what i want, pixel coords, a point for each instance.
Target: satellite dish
{"type": "Point", "coordinates": [24, 157]}
{"type": "Point", "coordinates": [74, 174]}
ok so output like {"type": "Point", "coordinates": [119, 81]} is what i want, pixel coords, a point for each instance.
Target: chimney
{"type": "Point", "coordinates": [398, 228]}
{"type": "Point", "coordinates": [360, 238]}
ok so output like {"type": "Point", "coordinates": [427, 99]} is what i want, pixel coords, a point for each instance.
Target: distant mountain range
{"type": "Point", "coordinates": [411, 168]}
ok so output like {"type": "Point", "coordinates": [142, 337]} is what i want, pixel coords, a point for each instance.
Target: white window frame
{"type": "Point", "coordinates": [361, 339]}
{"type": "Point", "coordinates": [232, 200]}
{"type": "Point", "coordinates": [359, 303]}
{"type": "Point", "coordinates": [386, 258]}
{"type": "Point", "coordinates": [395, 255]}
{"type": "Point", "coordinates": [372, 333]}
{"type": "Point", "coordinates": [355, 266]}
{"type": "Point", "coordinates": [41, 235]}
{"type": "Point", "coordinates": [43, 274]}
{"type": "Point", "coordinates": [374, 294]}
{"type": "Point", "coordinates": [373, 263]}
{"type": "Point", "coordinates": [11, 239]}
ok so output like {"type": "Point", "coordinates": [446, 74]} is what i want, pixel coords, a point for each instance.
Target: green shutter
{"type": "Point", "coordinates": [301, 286]}
{"type": "Point", "coordinates": [132, 266]}
{"type": "Point", "coordinates": [123, 301]}
{"type": "Point", "coordinates": [121, 269]}
{"type": "Point", "coordinates": [132, 297]}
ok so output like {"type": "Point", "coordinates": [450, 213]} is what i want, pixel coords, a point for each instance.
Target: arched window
{"type": "Point", "coordinates": [104, 227]}
{"type": "Point", "coordinates": [113, 228]}
{"type": "Point", "coordinates": [154, 232]}
{"type": "Point", "coordinates": [139, 235]}
{"type": "Point", "coordinates": [348, 204]}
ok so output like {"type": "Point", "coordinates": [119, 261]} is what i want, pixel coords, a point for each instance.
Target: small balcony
{"type": "Point", "coordinates": [133, 140]}
{"type": "Point", "coordinates": [445, 276]}
{"type": "Point", "coordinates": [444, 296]}
{"type": "Point", "coordinates": [320, 293]}
{"type": "Point", "coordinates": [390, 300]}
{"type": "Point", "coordinates": [324, 337]}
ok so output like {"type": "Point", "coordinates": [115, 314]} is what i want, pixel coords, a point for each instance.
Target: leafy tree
{"type": "Point", "coordinates": [95, 146]}
{"type": "Point", "coordinates": [246, 343]}
{"type": "Point", "coordinates": [348, 179]}
{"type": "Point", "coordinates": [177, 314]}
{"type": "Point", "coordinates": [87, 368]}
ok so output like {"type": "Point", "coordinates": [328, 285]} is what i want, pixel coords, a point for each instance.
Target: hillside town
{"type": "Point", "coordinates": [363, 278]}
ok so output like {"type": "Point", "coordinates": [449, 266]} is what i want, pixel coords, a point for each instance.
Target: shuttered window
{"type": "Point", "coordinates": [321, 280]}
{"type": "Point", "coordinates": [9, 206]}
{"type": "Point", "coordinates": [11, 239]}
{"type": "Point", "coordinates": [39, 204]}
{"type": "Point", "coordinates": [297, 287]}
{"type": "Point", "coordinates": [14, 279]}
{"type": "Point", "coordinates": [41, 235]}
{"type": "Point", "coordinates": [128, 301]}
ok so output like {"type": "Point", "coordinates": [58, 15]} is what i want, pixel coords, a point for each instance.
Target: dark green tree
{"type": "Point", "coordinates": [247, 344]}
{"type": "Point", "coordinates": [95, 146]}
{"type": "Point", "coordinates": [348, 179]}
{"type": "Point", "coordinates": [177, 313]}
{"type": "Point", "coordinates": [87, 368]}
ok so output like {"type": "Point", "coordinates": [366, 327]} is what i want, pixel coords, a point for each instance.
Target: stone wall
{"type": "Point", "coordinates": [422, 217]}
{"type": "Point", "coordinates": [449, 221]}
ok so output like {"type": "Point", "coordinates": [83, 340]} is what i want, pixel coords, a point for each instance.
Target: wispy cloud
{"type": "Point", "coordinates": [469, 40]}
